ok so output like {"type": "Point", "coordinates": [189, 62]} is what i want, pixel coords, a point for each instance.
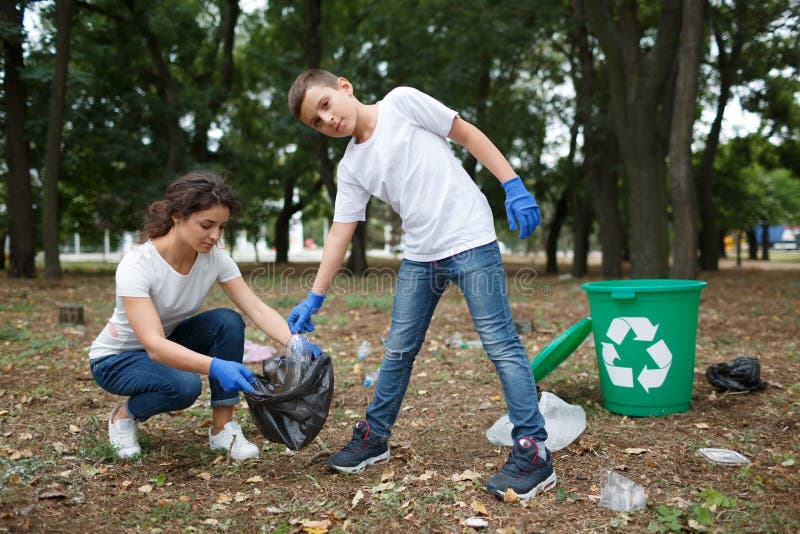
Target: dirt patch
{"type": "Point", "coordinates": [57, 474]}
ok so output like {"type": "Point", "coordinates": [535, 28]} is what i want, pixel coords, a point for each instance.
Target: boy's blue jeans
{"type": "Point", "coordinates": [155, 388]}
{"type": "Point", "coordinates": [480, 276]}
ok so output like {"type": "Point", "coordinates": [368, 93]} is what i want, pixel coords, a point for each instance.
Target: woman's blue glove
{"type": "Point", "coordinates": [520, 208]}
{"type": "Point", "coordinates": [300, 318]}
{"type": "Point", "coordinates": [232, 376]}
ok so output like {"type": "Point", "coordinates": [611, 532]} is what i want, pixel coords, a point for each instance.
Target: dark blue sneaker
{"type": "Point", "coordinates": [528, 471]}
{"type": "Point", "coordinates": [362, 451]}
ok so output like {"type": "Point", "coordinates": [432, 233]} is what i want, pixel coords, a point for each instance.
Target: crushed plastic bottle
{"type": "Point", "coordinates": [456, 341]}
{"type": "Point", "coordinates": [300, 351]}
{"type": "Point", "coordinates": [363, 349]}
{"type": "Point", "coordinates": [620, 493]}
{"type": "Point", "coordinates": [371, 379]}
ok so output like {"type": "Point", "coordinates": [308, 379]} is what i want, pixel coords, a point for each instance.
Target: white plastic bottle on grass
{"type": "Point", "coordinates": [363, 349]}
{"type": "Point", "coordinates": [371, 379]}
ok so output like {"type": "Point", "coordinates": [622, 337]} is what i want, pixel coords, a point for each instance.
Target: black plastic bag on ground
{"type": "Point", "coordinates": [291, 415]}
{"type": "Point", "coordinates": [741, 374]}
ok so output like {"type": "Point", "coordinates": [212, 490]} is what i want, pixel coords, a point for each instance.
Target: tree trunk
{"type": "Point", "coordinates": [552, 235]}
{"type": "Point", "coordinates": [21, 228]}
{"type": "Point", "coordinates": [684, 205]}
{"type": "Point", "coordinates": [50, 207]}
{"type": "Point", "coordinates": [637, 81]}
{"type": "Point", "coordinates": [357, 264]}
{"type": "Point", "coordinates": [739, 248]}
{"type": "Point", "coordinates": [601, 175]}
{"type": "Point", "coordinates": [728, 66]}
{"type": "Point", "coordinates": [752, 244]}
{"type": "Point", "coordinates": [581, 225]}
{"type": "Point", "coordinates": [765, 242]}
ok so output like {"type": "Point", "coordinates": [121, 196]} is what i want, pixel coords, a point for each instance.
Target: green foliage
{"type": "Point", "coordinates": [667, 520]}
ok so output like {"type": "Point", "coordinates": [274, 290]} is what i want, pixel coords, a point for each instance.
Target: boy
{"type": "Point", "coordinates": [398, 152]}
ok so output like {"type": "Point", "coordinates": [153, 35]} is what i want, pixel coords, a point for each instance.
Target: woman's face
{"type": "Point", "coordinates": [202, 229]}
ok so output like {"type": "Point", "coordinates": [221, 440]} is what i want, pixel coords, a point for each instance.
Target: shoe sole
{"type": "Point", "coordinates": [546, 485]}
{"type": "Point", "coordinates": [380, 459]}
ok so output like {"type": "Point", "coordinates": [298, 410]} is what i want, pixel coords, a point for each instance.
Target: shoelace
{"type": "Point", "coordinates": [516, 465]}
{"type": "Point", "coordinates": [128, 439]}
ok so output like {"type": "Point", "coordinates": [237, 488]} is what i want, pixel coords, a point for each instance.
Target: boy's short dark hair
{"type": "Point", "coordinates": [307, 79]}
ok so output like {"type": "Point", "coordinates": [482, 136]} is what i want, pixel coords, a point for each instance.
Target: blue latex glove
{"type": "Point", "coordinates": [232, 376]}
{"type": "Point", "coordinates": [315, 350]}
{"type": "Point", "coordinates": [300, 317]}
{"type": "Point", "coordinates": [521, 208]}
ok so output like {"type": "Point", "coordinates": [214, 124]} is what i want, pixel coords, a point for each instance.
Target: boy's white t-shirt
{"type": "Point", "coordinates": [408, 163]}
{"type": "Point", "coordinates": [143, 272]}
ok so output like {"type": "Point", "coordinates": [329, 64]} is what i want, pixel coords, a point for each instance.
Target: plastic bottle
{"type": "Point", "coordinates": [363, 349]}
{"type": "Point", "coordinates": [454, 340]}
{"type": "Point", "coordinates": [298, 349]}
{"type": "Point", "coordinates": [471, 344]}
{"type": "Point", "coordinates": [371, 379]}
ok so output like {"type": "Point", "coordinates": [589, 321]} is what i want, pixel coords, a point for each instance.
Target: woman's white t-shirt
{"type": "Point", "coordinates": [408, 163]}
{"type": "Point", "coordinates": [143, 272]}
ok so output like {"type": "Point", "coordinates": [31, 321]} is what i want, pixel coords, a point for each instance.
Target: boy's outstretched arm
{"type": "Point", "coordinates": [333, 254]}
{"type": "Point", "coordinates": [521, 208]}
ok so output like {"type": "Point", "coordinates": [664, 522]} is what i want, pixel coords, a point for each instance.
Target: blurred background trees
{"type": "Point", "coordinates": [585, 98]}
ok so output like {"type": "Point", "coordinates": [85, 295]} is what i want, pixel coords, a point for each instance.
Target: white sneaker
{"type": "Point", "coordinates": [232, 433]}
{"type": "Point", "coordinates": [122, 436]}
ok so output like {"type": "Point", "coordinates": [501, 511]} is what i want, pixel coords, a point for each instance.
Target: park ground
{"type": "Point", "coordinates": [57, 473]}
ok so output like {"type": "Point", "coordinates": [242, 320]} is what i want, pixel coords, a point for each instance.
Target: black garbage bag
{"type": "Point", "coordinates": [741, 374]}
{"type": "Point", "coordinates": [292, 415]}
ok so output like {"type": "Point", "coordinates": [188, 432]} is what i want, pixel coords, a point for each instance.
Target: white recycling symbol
{"type": "Point", "coordinates": [649, 377]}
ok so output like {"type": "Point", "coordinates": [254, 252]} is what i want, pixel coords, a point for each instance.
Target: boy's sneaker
{"type": "Point", "coordinates": [122, 436]}
{"type": "Point", "coordinates": [232, 432]}
{"type": "Point", "coordinates": [362, 451]}
{"type": "Point", "coordinates": [528, 471]}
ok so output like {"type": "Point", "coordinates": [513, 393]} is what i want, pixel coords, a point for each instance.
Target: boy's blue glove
{"type": "Point", "coordinates": [299, 319]}
{"type": "Point", "coordinates": [232, 376]}
{"type": "Point", "coordinates": [520, 208]}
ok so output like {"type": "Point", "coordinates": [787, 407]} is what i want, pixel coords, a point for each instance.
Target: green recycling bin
{"type": "Point", "coordinates": [644, 333]}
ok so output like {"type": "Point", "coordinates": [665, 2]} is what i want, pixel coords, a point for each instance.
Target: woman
{"type": "Point", "coordinates": [153, 346]}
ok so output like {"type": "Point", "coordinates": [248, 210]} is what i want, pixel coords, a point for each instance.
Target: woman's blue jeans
{"type": "Point", "coordinates": [155, 388]}
{"type": "Point", "coordinates": [479, 274]}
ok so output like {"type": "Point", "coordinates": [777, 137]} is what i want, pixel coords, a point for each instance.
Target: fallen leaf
{"type": "Point", "coordinates": [74, 429]}
{"type": "Point", "coordinates": [479, 508]}
{"type": "Point", "coordinates": [466, 475]}
{"type": "Point", "coordinates": [357, 498]}
{"type": "Point", "coordinates": [224, 498]}
{"type": "Point", "coordinates": [635, 450]}
{"type": "Point", "coordinates": [702, 425]}
{"type": "Point", "coordinates": [506, 530]}
{"type": "Point", "coordinates": [66, 473]}
{"type": "Point", "coordinates": [317, 527]}
{"type": "Point", "coordinates": [51, 494]}
{"type": "Point", "coordinates": [387, 475]}
{"type": "Point", "coordinates": [147, 488]}
{"type": "Point", "coordinates": [788, 463]}
{"type": "Point", "coordinates": [510, 496]}
{"type": "Point", "coordinates": [427, 475]}
{"type": "Point", "coordinates": [26, 436]}
{"type": "Point", "coordinates": [204, 476]}
{"type": "Point", "coordinates": [211, 521]}
{"type": "Point", "coordinates": [254, 479]}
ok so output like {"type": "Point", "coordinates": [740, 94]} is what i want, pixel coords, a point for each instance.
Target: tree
{"type": "Point", "coordinates": [684, 205]}
{"type": "Point", "coordinates": [21, 228]}
{"type": "Point", "coordinates": [50, 209]}
{"type": "Point", "coordinates": [599, 148]}
{"type": "Point", "coordinates": [638, 72]}
{"type": "Point", "coordinates": [740, 31]}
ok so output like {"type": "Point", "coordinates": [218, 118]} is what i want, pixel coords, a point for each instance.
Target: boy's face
{"type": "Point", "coordinates": [330, 111]}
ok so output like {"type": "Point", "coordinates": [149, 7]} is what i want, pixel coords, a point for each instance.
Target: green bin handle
{"type": "Point", "coordinates": [623, 293]}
